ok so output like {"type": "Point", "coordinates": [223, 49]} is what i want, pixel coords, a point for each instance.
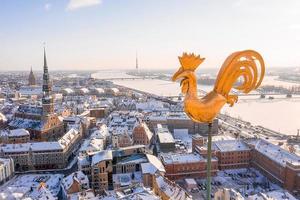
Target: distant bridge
{"type": "Point", "coordinates": [127, 78]}
{"type": "Point", "coordinates": [203, 93]}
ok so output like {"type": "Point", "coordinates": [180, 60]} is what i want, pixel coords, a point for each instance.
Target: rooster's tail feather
{"type": "Point", "coordinates": [240, 64]}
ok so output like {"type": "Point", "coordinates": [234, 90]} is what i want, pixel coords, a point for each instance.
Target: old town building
{"type": "Point", "coordinates": [14, 136]}
{"type": "Point", "coordinates": [141, 134]}
{"type": "Point", "coordinates": [167, 189]}
{"type": "Point", "coordinates": [74, 183]}
{"type": "Point", "coordinates": [101, 171]}
{"type": "Point", "coordinates": [42, 155]}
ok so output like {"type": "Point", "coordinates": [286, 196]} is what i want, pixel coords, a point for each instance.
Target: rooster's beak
{"type": "Point", "coordinates": [177, 74]}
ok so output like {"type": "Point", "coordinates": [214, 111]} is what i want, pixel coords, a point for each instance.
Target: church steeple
{"type": "Point", "coordinates": [45, 62]}
{"type": "Point", "coordinates": [31, 78]}
{"type": "Point", "coordinates": [46, 78]}
{"type": "Point", "coordinates": [48, 107]}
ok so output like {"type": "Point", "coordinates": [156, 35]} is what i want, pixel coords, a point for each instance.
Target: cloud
{"type": "Point", "coordinates": [238, 3]}
{"type": "Point", "coordinates": [294, 26]}
{"type": "Point", "coordinates": [76, 4]}
{"type": "Point", "coordinates": [47, 6]}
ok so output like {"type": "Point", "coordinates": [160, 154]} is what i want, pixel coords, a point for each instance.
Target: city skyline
{"type": "Point", "coordinates": [95, 35]}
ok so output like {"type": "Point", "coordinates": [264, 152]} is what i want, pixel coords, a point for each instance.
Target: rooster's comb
{"type": "Point", "coordinates": [190, 61]}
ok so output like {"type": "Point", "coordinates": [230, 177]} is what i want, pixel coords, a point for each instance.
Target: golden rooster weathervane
{"type": "Point", "coordinates": [204, 110]}
{"type": "Point", "coordinates": [239, 64]}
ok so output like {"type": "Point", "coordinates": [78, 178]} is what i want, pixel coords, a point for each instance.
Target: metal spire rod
{"type": "Point", "coordinates": [208, 170]}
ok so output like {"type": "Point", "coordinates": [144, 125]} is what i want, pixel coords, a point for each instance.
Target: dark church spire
{"type": "Point", "coordinates": [45, 62]}
{"type": "Point", "coordinates": [31, 78]}
{"type": "Point", "coordinates": [46, 78]}
{"type": "Point", "coordinates": [48, 107]}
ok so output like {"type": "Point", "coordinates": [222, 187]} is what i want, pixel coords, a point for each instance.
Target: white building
{"type": "Point", "coordinates": [6, 169]}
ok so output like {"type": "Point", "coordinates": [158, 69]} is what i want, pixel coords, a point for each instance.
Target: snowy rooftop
{"type": "Point", "coordinates": [177, 115]}
{"type": "Point", "coordinates": [171, 189]}
{"type": "Point", "coordinates": [86, 195]}
{"type": "Point", "coordinates": [126, 179]}
{"type": "Point", "coordinates": [231, 145]}
{"type": "Point", "coordinates": [135, 193]}
{"type": "Point", "coordinates": [30, 109]}
{"type": "Point", "coordinates": [100, 90]}
{"type": "Point", "coordinates": [276, 153]}
{"type": "Point", "coordinates": [2, 117]}
{"type": "Point", "coordinates": [31, 90]}
{"type": "Point", "coordinates": [15, 133]}
{"type": "Point", "coordinates": [222, 137]}
{"type": "Point", "coordinates": [68, 90]}
{"type": "Point", "coordinates": [91, 145]}
{"type": "Point", "coordinates": [78, 176]}
{"type": "Point", "coordinates": [83, 161]}
{"type": "Point", "coordinates": [134, 158]}
{"type": "Point", "coordinates": [273, 195]}
{"type": "Point", "coordinates": [153, 165]}
{"type": "Point", "coordinates": [102, 156]}
{"type": "Point", "coordinates": [26, 123]}
{"type": "Point", "coordinates": [176, 158]}
{"type": "Point", "coordinates": [61, 144]}
{"type": "Point", "coordinates": [84, 90]}
{"type": "Point", "coordinates": [5, 161]}
{"type": "Point", "coordinates": [151, 105]}
{"type": "Point", "coordinates": [30, 186]}
{"type": "Point", "coordinates": [35, 146]}
{"type": "Point", "coordinates": [100, 133]}
{"type": "Point", "coordinates": [166, 137]}
{"type": "Point", "coordinates": [18, 132]}
{"type": "Point", "coordinates": [68, 138]}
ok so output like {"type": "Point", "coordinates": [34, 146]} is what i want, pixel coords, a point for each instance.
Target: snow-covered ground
{"type": "Point", "coordinates": [246, 181]}
{"type": "Point", "coordinates": [29, 185]}
{"type": "Point", "coordinates": [111, 74]}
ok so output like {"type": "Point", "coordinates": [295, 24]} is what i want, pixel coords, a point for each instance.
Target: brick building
{"type": "Point", "coordinates": [274, 162]}
{"type": "Point", "coordinates": [74, 183]}
{"type": "Point", "coordinates": [141, 134]}
{"type": "Point", "coordinates": [277, 164]}
{"type": "Point", "coordinates": [188, 165]}
{"type": "Point", "coordinates": [98, 112]}
{"type": "Point", "coordinates": [232, 154]}
{"type": "Point", "coordinates": [121, 139]}
{"type": "Point", "coordinates": [98, 168]}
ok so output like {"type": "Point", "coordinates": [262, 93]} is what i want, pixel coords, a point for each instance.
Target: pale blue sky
{"type": "Point", "coordinates": [94, 34]}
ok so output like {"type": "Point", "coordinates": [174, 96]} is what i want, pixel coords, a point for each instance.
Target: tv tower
{"type": "Point", "coordinates": [136, 62]}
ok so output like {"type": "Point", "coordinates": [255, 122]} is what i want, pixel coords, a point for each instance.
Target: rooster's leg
{"type": "Point", "coordinates": [231, 99]}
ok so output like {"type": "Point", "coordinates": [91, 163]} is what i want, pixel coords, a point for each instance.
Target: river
{"type": "Point", "coordinates": [280, 114]}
